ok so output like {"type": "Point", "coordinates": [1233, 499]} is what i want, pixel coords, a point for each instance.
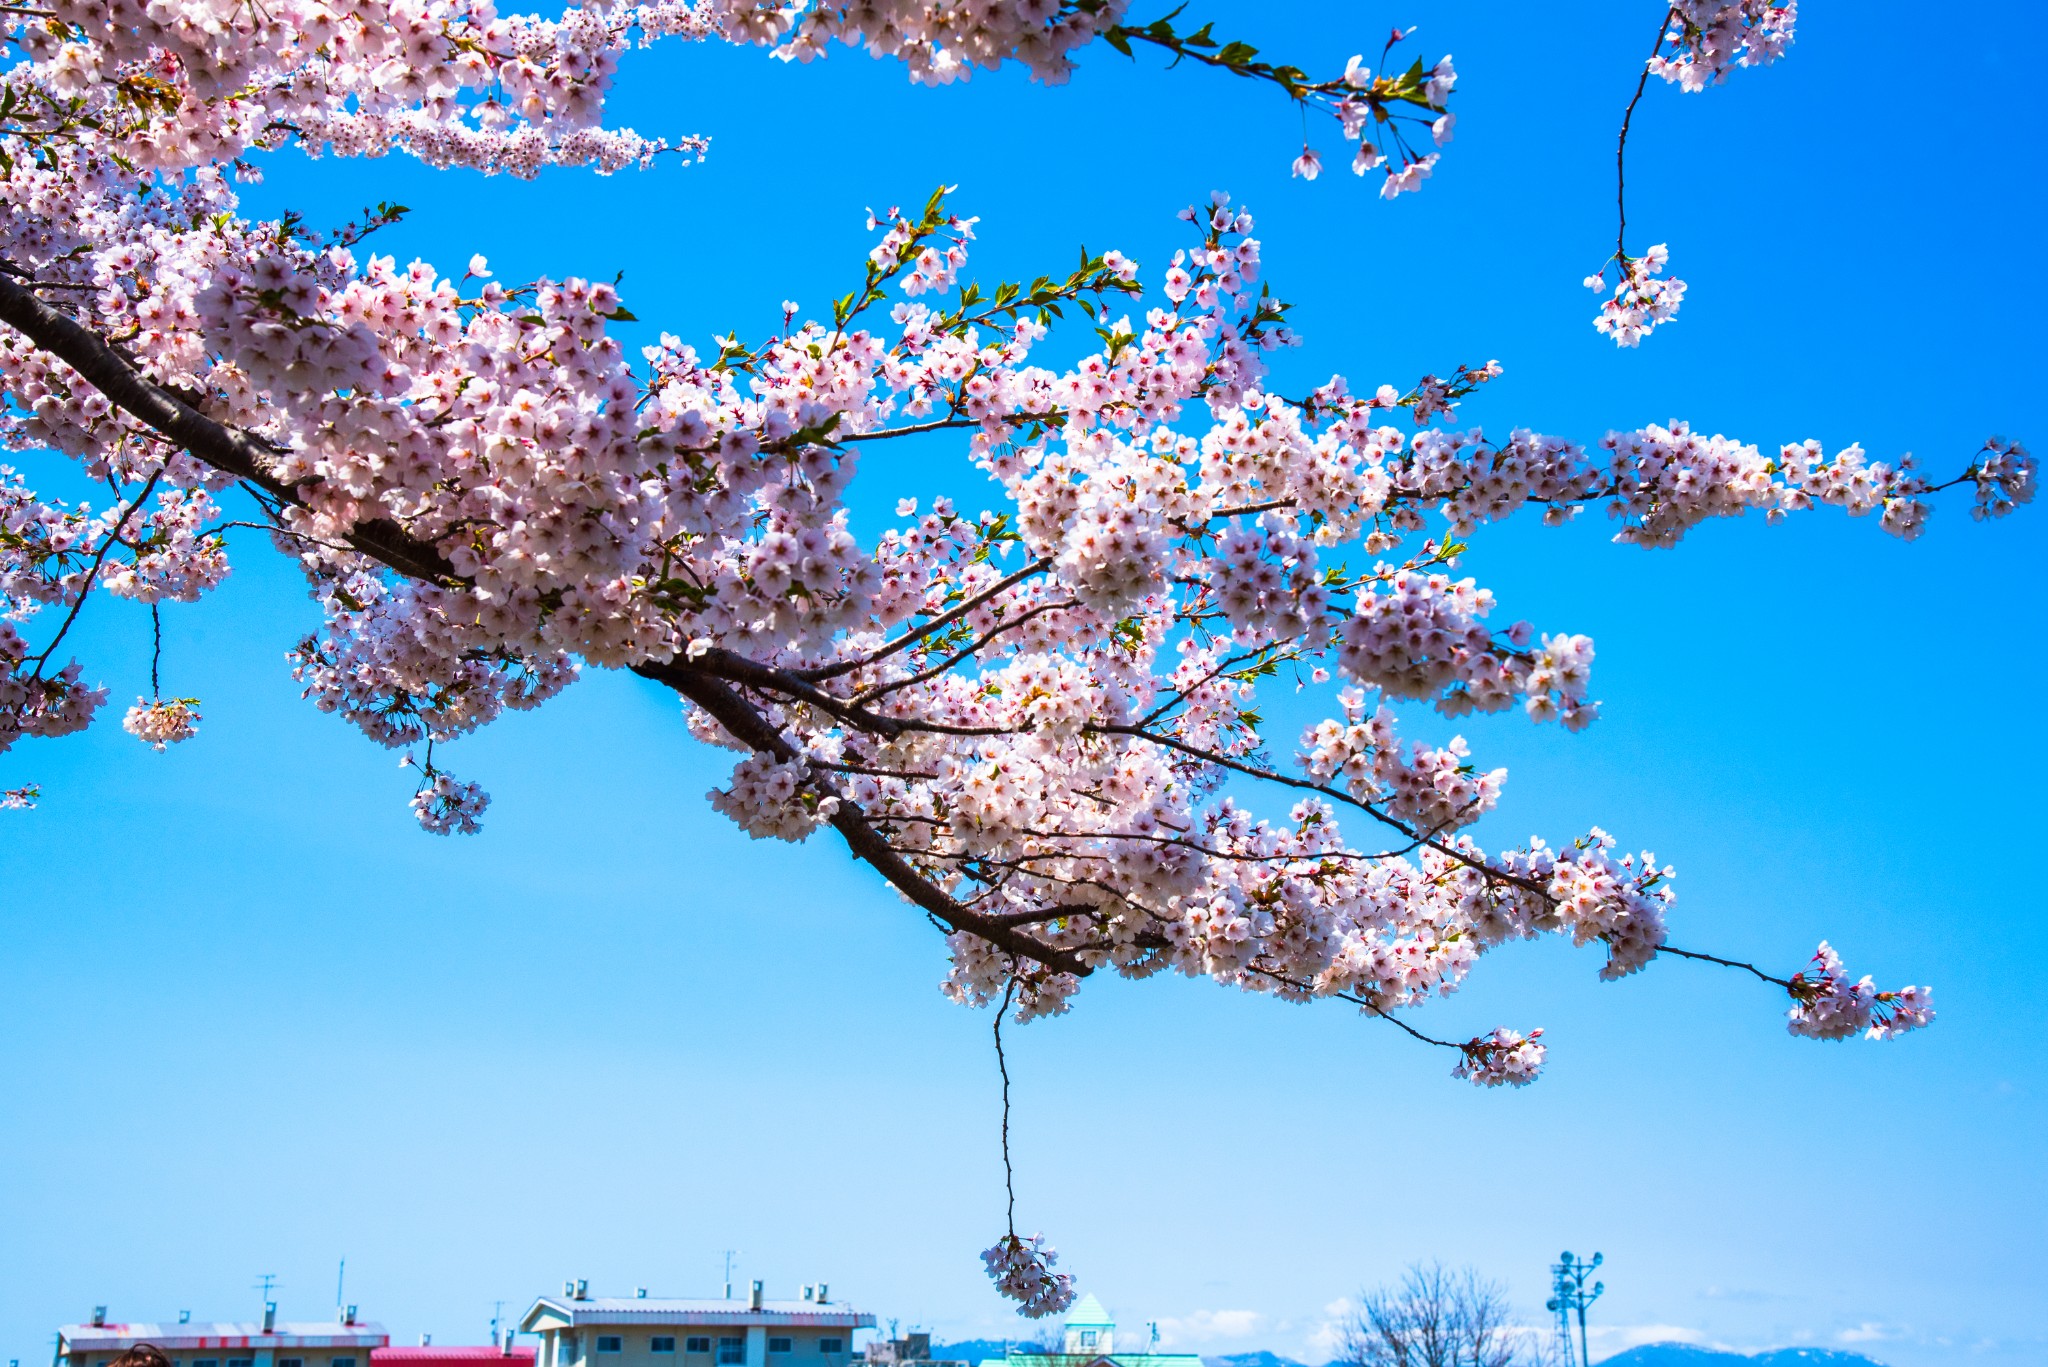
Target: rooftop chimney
{"type": "Point", "coordinates": [184, 1317]}
{"type": "Point", "coordinates": [582, 1288]}
{"type": "Point", "coordinates": [507, 1350]}
{"type": "Point", "coordinates": [754, 1295]}
{"type": "Point", "coordinates": [640, 1293]}
{"type": "Point", "coordinates": [426, 1340]}
{"type": "Point", "coordinates": [270, 1317]}
{"type": "Point", "coordinates": [99, 1314]}
{"type": "Point", "coordinates": [821, 1293]}
{"type": "Point", "coordinates": [349, 1316]}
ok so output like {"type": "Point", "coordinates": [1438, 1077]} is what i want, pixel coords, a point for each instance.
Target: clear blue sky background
{"type": "Point", "coordinates": [255, 1021]}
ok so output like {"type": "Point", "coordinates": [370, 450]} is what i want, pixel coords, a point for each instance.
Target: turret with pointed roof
{"type": "Point", "coordinates": [1090, 1330]}
{"type": "Point", "coordinates": [1089, 1340]}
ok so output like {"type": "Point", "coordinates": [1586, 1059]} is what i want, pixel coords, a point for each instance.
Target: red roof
{"type": "Point", "coordinates": [434, 1355]}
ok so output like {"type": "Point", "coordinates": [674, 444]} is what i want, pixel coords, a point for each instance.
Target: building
{"type": "Point", "coordinates": [1089, 1338]}
{"type": "Point", "coordinates": [348, 1342]}
{"type": "Point", "coordinates": [912, 1350]}
{"type": "Point", "coordinates": [430, 1355]}
{"type": "Point", "coordinates": [581, 1330]}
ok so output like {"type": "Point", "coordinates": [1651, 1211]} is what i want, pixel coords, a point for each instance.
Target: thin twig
{"type": "Point", "coordinates": [1009, 1176]}
{"type": "Point", "coordinates": [93, 574]}
{"type": "Point", "coordinates": [1621, 143]}
{"type": "Point", "coordinates": [943, 620]}
{"type": "Point", "coordinates": [1725, 963]}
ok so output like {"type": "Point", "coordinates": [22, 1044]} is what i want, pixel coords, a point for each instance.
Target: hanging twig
{"type": "Point", "coordinates": [1009, 1176]}
{"type": "Point", "coordinates": [1621, 143]}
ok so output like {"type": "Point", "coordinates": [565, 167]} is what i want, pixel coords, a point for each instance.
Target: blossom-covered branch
{"type": "Point", "coordinates": [1044, 724]}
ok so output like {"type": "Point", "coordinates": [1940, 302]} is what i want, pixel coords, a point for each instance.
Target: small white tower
{"type": "Point", "coordinates": [1090, 1330]}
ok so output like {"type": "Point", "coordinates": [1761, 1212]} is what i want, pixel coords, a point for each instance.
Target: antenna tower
{"type": "Point", "coordinates": [267, 1281]}
{"type": "Point", "coordinates": [1569, 1296]}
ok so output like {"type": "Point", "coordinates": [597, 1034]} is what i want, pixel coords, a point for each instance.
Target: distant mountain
{"type": "Point", "coordinates": [1685, 1355]}
{"type": "Point", "coordinates": [1649, 1355]}
{"type": "Point", "coordinates": [968, 1350]}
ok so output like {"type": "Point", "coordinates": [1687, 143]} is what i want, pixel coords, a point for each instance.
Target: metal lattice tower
{"type": "Point", "coordinates": [1570, 1296]}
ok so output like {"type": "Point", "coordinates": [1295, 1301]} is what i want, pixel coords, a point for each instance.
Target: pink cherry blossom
{"type": "Point", "coordinates": [1040, 721]}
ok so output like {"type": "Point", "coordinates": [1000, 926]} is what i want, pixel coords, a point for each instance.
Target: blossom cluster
{"type": "Point", "coordinates": [1021, 1268]}
{"type": "Point", "coordinates": [939, 41]}
{"type": "Point", "coordinates": [444, 805]}
{"type": "Point", "coordinates": [770, 799]}
{"type": "Point", "coordinates": [1641, 299]}
{"type": "Point", "coordinates": [183, 83]}
{"type": "Point", "coordinates": [33, 703]}
{"type": "Point", "coordinates": [1368, 108]}
{"type": "Point", "coordinates": [1709, 38]}
{"type": "Point", "coordinates": [1500, 1058]}
{"type": "Point", "coordinates": [162, 722]}
{"type": "Point", "coordinates": [1826, 1005]}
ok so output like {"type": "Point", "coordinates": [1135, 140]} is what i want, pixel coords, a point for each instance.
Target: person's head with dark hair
{"type": "Point", "coordinates": [142, 1355]}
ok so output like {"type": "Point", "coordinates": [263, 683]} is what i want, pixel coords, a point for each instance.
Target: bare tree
{"type": "Point", "coordinates": [1437, 1317]}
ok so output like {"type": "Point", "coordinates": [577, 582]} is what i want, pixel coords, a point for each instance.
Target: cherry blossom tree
{"type": "Point", "coordinates": [1039, 723]}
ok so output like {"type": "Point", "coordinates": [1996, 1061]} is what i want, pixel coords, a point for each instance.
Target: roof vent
{"type": "Point", "coordinates": [640, 1293]}
{"type": "Point", "coordinates": [99, 1314]}
{"type": "Point", "coordinates": [426, 1340]}
{"type": "Point", "coordinates": [270, 1317]}
{"type": "Point", "coordinates": [349, 1316]}
{"type": "Point", "coordinates": [821, 1293]}
{"type": "Point", "coordinates": [184, 1317]}
{"type": "Point", "coordinates": [582, 1288]}
{"type": "Point", "coordinates": [754, 1295]}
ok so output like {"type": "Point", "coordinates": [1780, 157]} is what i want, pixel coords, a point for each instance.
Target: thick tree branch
{"type": "Point", "coordinates": [222, 447]}
{"type": "Point", "coordinates": [750, 728]}
{"type": "Point", "coordinates": [241, 455]}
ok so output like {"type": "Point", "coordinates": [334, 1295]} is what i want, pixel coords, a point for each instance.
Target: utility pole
{"type": "Point", "coordinates": [1568, 1296]}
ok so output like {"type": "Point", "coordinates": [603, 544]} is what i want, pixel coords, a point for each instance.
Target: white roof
{"type": "Point", "coordinates": [686, 1311]}
{"type": "Point", "coordinates": [226, 1336]}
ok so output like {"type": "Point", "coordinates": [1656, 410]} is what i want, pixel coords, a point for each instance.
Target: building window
{"type": "Point", "coordinates": [205, 1362]}
{"type": "Point", "coordinates": [831, 1345]}
{"type": "Point", "coordinates": [778, 1345]}
{"type": "Point", "coordinates": [696, 1344]}
{"type": "Point", "coordinates": [609, 1343]}
{"type": "Point", "coordinates": [662, 1343]}
{"type": "Point", "coordinates": [1087, 1338]}
{"type": "Point", "coordinates": [291, 1362]}
{"type": "Point", "coordinates": [241, 1362]}
{"type": "Point", "coordinates": [731, 1351]}
{"type": "Point", "coordinates": [338, 1362]}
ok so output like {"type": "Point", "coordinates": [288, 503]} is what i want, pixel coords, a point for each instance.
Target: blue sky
{"type": "Point", "coordinates": [255, 1021]}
